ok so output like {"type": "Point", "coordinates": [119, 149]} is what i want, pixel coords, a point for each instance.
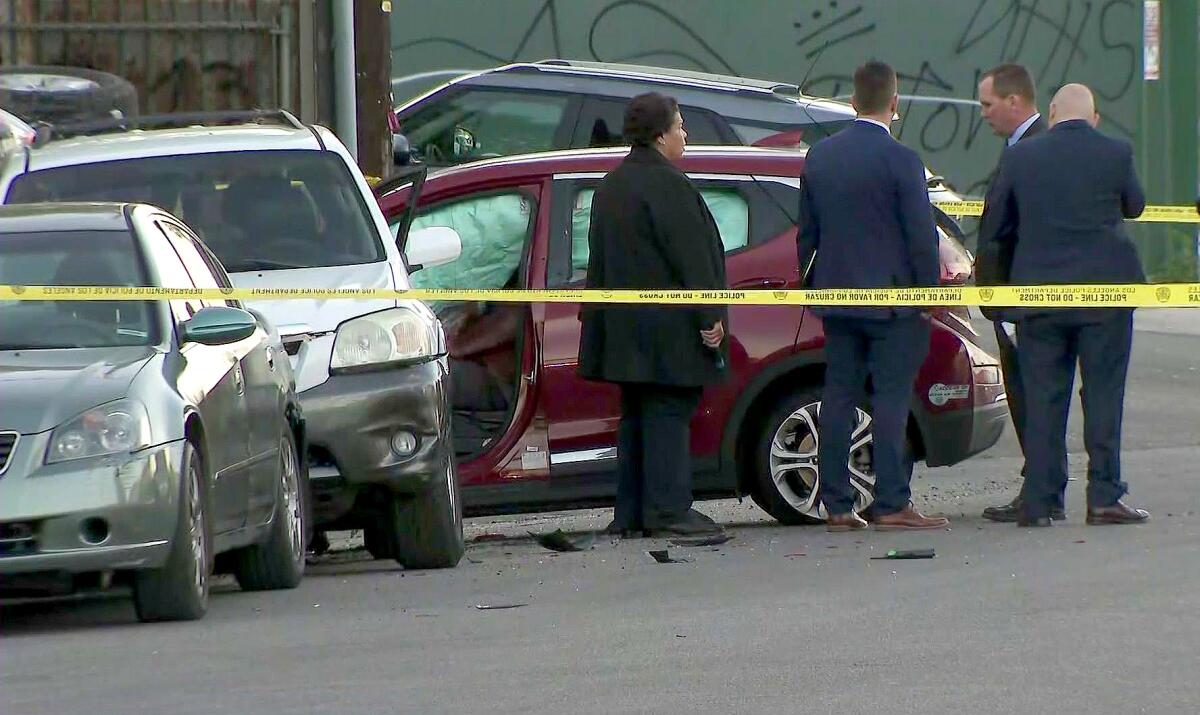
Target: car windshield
{"type": "Point", "coordinates": [257, 210]}
{"type": "Point", "coordinates": [73, 258]}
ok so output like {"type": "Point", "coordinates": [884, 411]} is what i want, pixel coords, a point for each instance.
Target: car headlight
{"type": "Point", "coordinates": [114, 428]}
{"type": "Point", "coordinates": [394, 335]}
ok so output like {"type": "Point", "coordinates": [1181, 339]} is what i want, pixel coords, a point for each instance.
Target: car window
{"type": "Point", "coordinates": [481, 123]}
{"type": "Point", "coordinates": [602, 122]}
{"type": "Point", "coordinates": [172, 274]}
{"type": "Point", "coordinates": [256, 210]}
{"type": "Point", "coordinates": [73, 258]}
{"type": "Point", "coordinates": [797, 136]}
{"type": "Point", "coordinates": [192, 258]}
{"type": "Point", "coordinates": [727, 206]}
{"type": "Point", "coordinates": [493, 229]}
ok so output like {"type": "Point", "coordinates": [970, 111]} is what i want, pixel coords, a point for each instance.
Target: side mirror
{"type": "Point", "coordinates": [433, 246]}
{"type": "Point", "coordinates": [218, 325]}
{"type": "Point", "coordinates": [464, 142]}
{"type": "Point", "coordinates": [401, 150]}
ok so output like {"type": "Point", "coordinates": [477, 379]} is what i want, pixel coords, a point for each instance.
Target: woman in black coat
{"type": "Point", "coordinates": [650, 229]}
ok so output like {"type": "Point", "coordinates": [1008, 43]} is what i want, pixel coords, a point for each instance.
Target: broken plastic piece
{"type": "Point", "coordinates": [498, 606]}
{"type": "Point", "coordinates": [907, 554]}
{"type": "Point", "coordinates": [559, 541]}
{"type": "Point", "coordinates": [701, 541]}
{"type": "Point", "coordinates": [662, 556]}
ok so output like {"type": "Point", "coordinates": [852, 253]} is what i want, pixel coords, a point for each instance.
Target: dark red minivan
{"type": "Point", "coordinates": [532, 435]}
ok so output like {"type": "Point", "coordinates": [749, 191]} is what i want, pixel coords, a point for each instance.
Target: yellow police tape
{"type": "Point", "coordinates": [1162, 295]}
{"type": "Point", "coordinates": [1152, 214]}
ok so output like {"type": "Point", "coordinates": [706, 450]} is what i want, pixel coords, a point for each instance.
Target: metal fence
{"type": "Point", "coordinates": [179, 54]}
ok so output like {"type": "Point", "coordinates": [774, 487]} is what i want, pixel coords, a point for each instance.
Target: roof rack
{"type": "Point", "coordinates": [666, 74]}
{"type": "Point", "coordinates": [48, 132]}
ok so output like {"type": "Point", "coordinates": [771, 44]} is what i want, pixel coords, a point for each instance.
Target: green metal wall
{"type": "Point", "coordinates": [939, 47]}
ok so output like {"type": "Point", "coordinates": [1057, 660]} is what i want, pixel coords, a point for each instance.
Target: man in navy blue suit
{"type": "Point", "coordinates": [1060, 201]}
{"type": "Point", "coordinates": [866, 218]}
{"type": "Point", "coordinates": [1008, 102]}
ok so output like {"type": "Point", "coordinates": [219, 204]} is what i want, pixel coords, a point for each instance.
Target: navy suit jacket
{"type": "Point", "coordinates": [865, 214]}
{"type": "Point", "coordinates": [993, 261]}
{"type": "Point", "coordinates": [1058, 207]}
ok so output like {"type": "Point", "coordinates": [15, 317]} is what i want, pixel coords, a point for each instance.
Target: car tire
{"type": "Point", "coordinates": [179, 590]}
{"type": "Point", "coordinates": [786, 469]}
{"type": "Point", "coordinates": [423, 531]}
{"type": "Point", "coordinates": [278, 562]}
{"type": "Point", "coordinates": [43, 93]}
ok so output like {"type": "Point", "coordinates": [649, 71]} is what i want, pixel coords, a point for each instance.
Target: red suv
{"type": "Point", "coordinates": [532, 435]}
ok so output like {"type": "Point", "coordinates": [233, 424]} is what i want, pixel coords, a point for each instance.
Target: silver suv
{"type": "Point", "coordinates": [283, 204]}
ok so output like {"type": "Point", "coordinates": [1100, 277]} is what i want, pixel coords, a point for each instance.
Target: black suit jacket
{"type": "Point", "coordinates": [994, 260]}
{"type": "Point", "coordinates": [865, 215]}
{"type": "Point", "coordinates": [650, 229]}
{"type": "Point", "coordinates": [1058, 208]}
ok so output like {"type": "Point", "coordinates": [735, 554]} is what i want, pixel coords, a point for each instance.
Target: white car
{"type": "Point", "coordinates": [283, 204]}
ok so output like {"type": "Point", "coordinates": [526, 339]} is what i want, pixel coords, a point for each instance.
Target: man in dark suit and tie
{"type": "Point", "coordinates": [1008, 102]}
{"type": "Point", "coordinates": [1060, 201]}
{"type": "Point", "coordinates": [866, 217]}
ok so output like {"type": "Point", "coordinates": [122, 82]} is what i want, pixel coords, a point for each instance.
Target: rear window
{"type": "Point", "coordinates": [73, 258]}
{"type": "Point", "coordinates": [798, 136]}
{"type": "Point", "coordinates": [256, 210]}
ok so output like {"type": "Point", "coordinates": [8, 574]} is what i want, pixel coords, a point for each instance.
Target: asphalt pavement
{"type": "Point", "coordinates": [1072, 619]}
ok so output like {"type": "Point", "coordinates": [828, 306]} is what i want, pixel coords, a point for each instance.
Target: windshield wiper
{"type": "Point", "coordinates": [260, 264]}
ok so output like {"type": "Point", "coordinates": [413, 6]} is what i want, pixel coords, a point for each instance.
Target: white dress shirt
{"type": "Point", "coordinates": [876, 122]}
{"type": "Point", "coordinates": [1020, 132]}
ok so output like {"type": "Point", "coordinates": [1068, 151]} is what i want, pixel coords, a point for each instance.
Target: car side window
{"type": "Point", "coordinates": [603, 120]}
{"type": "Point", "coordinates": [480, 123]}
{"type": "Point", "coordinates": [193, 262]}
{"type": "Point", "coordinates": [493, 228]}
{"type": "Point", "coordinates": [172, 274]}
{"type": "Point", "coordinates": [727, 205]}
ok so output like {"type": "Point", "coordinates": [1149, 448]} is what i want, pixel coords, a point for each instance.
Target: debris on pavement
{"type": "Point", "coordinates": [663, 556]}
{"type": "Point", "coordinates": [907, 554]}
{"type": "Point", "coordinates": [701, 540]}
{"type": "Point", "coordinates": [559, 541]}
{"type": "Point", "coordinates": [795, 554]}
{"type": "Point", "coordinates": [498, 606]}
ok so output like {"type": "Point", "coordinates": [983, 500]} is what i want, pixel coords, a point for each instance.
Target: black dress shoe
{"type": "Point", "coordinates": [1011, 512]}
{"type": "Point", "coordinates": [1118, 513]}
{"type": "Point", "coordinates": [692, 524]}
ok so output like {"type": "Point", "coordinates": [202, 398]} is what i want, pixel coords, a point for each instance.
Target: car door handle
{"type": "Point", "coordinates": [762, 283]}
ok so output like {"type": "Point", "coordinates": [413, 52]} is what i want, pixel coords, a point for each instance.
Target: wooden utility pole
{"type": "Point", "coordinates": [373, 70]}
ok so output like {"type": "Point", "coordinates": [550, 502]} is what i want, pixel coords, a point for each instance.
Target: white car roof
{"type": "Point", "coordinates": [140, 144]}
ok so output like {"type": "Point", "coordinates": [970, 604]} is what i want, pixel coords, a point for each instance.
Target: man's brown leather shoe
{"type": "Point", "coordinates": [1118, 513]}
{"type": "Point", "coordinates": [845, 522]}
{"type": "Point", "coordinates": [909, 519]}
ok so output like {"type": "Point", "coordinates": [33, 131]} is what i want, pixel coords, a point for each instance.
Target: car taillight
{"type": "Point", "coordinates": [957, 268]}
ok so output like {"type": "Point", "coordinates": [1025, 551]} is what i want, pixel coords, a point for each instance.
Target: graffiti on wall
{"type": "Point", "coordinates": [939, 48]}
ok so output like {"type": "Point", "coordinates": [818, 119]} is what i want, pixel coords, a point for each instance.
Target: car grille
{"type": "Point", "coordinates": [18, 538]}
{"type": "Point", "coordinates": [8, 445]}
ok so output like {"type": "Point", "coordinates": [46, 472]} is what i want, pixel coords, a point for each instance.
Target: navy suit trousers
{"type": "Point", "coordinates": [890, 353]}
{"type": "Point", "coordinates": [1051, 345]}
